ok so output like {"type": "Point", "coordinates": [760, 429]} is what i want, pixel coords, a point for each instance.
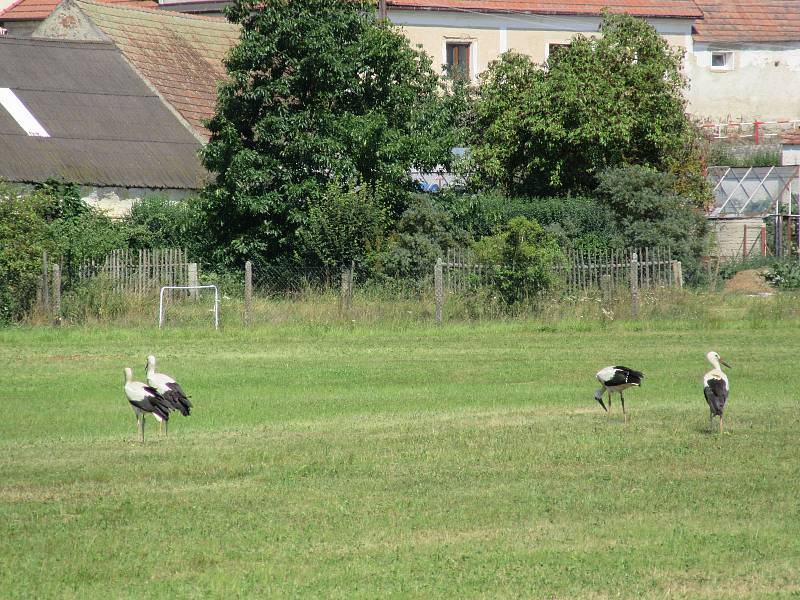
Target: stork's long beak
{"type": "Point", "coordinates": [600, 400]}
{"type": "Point", "coordinates": [724, 363]}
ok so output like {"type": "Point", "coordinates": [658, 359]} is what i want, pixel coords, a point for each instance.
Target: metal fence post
{"type": "Point", "coordinates": [438, 289]}
{"type": "Point", "coordinates": [56, 295]}
{"type": "Point", "coordinates": [634, 285]}
{"type": "Point", "coordinates": [248, 292]}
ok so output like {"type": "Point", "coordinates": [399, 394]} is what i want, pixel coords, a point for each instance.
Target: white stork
{"type": "Point", "coordinates": [616, 379]}
{"type": "Point", "coordinates": [715, 388]}
{"type": "Point", "coordinates": [144, 399]}
{"type": "Point", "coordinates": [168, 388]}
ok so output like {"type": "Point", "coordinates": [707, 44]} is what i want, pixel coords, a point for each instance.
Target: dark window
{"type": "Point", "coordinates": [458, 59]}
{"type": "Point", "coordinates": [554, 49]}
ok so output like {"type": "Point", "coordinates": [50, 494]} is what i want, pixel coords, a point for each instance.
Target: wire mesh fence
{"type": "Point", "coordinates": [456, 282]}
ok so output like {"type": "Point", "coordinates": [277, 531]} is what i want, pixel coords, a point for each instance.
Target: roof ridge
{"type": "Point", "coordinates": [157, 11]}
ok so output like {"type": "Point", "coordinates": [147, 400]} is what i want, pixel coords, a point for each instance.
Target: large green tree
{"type": "Point", "coordinates": [318, 92]}
{"type": "Point", "coordinates": [610, 100]}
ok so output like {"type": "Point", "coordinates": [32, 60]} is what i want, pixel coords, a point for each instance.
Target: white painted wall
{"type": "Point", "coordinates": [763, 83]}
{"type": "Point", "coordinates": [790, 154]}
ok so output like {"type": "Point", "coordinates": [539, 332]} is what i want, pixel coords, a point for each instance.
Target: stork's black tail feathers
{"type": "Point", "coordinates": [631, 375]}
{"type": "Point", "coordinates": [177, 399]}
{"type": "Point", "coordinates": [178, 402]}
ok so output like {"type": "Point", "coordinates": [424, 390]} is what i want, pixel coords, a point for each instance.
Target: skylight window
{"type": "Point", "coordinates": [20, 113]}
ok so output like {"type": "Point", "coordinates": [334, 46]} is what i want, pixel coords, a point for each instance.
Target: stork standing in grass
{"type": "Point", "coordinates": [144, 399]}
{"type": "Point", "coordinates": [168, 388]}
{"type": "Point", "coordinates": [715, 388]}
{"type": "Point", "coordinates": [616, 379]}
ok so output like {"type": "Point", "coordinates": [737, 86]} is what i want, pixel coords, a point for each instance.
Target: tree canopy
{"type": "Point", "coordinates": [605, 101]}
{"type": "Point", "coordinates": [318, 92]}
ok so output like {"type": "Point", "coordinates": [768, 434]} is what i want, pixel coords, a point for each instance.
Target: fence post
{"type": "Point", "coordinates": [191, 273]}
{"type": "Point", "coordinates": [45, 283]}
{"type": "Point", "coordinates": [56, 295]}
{"type": "Point", "coordinates": [438, 289]}
{"type": "Point", "coordinates": [248, 292]}
{"type": "Point", "coordinates": [634, 285]}
{"type": "Point", "coordinates": [346, 300]}
{"type": "Point", "coordinates": [677, 273]}
{"type": "Point", "coordinates": [763, 240]}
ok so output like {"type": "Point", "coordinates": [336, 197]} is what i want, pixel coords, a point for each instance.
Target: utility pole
{"type": "Point", "coordinates": [381, 9]}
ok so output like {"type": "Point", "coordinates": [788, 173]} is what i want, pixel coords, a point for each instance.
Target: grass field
{"type": "Point", "coordinates": [346, 461]}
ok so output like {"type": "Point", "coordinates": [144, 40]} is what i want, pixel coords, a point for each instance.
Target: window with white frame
{"type": "Point", "coordinates": [722, 60]}
{"type": "Point", "coordinates": [553, 49]}
{"type": "Point", "coordinates": [459, 56]}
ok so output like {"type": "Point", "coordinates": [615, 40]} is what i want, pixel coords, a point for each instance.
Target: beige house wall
{"type": "Point", "coordinates": [492, 34]}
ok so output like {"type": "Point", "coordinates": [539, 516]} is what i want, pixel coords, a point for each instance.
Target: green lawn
{"type": "Point", "coordinates": [413, 461]}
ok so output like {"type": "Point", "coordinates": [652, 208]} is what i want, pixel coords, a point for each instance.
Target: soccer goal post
{"type": "Point", "coordinates": [188, 287]}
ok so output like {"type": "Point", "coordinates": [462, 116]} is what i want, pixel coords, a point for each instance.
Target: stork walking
{"type": "Point", "coordinates": [145, 399]}
{"type": "Point", "coordinates": [168, 388]}
{"type": "Point", "coordinates": [616, 379]}
{"type": "Point", "coordinates": [715, 388]}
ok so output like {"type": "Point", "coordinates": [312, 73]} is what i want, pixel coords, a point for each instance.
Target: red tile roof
{"type": "Point", "coordinates": [640, 8]}
{"type": "Point", "coordinates": [748, 21]}
{"type": "Point", "coordinates": [38, 10]}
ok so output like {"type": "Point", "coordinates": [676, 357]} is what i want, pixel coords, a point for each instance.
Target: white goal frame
{"type": "Point", "coordinates": [188, 287]}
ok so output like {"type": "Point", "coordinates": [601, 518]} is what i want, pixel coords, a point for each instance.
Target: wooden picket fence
{"type": "Point", "coordinates": [141, 271]}
{"type": "Point", "coordinates": [582, 271]}
{"type": "Point", "coordinates": [586, 269]}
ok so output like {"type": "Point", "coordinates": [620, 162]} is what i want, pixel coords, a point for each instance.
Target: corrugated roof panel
{"type": "Point", "coordinates": [180, 55]}
{"type": "Point", "coordinates": [108, 128]}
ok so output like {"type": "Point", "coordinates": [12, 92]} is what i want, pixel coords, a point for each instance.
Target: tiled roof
{"type": "Point", "coordinates": [178, 54]}
{"type": "Point", "coordinates": [36, 10]}
{"type": "Point", "coordinates": [105, 126]}
{"type": "Point", "coordinates": [642, 8]}
{"type": "Point", "coordinates": [748, 21]}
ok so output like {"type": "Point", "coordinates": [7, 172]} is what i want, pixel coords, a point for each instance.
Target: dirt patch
{"type": "Point", "coordinates": [748, 282]}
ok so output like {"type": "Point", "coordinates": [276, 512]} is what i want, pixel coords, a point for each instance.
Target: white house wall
{"type": "Point", "coordinates": [763, 84]}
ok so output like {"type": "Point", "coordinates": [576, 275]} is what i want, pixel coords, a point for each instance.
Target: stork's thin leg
{"type": "Point", "coordinates": [140, 423]}
{"type": "Point", "coordinates": [609, 403]}
{"type": "Point", "coordinates": [624, 414]}
{"type": "Point", "coordinates": [166, 426]}
{"type": "Point", "coordinates": [720, 423]}
{"type": "Point", "coordinates": [711, 422]}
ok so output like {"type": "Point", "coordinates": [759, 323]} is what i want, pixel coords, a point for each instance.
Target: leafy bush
{"type": "Point", "coordinates": [522, 256]}
{"type": "Point", "coordinates": [784, 274]}
{"type": "Point", "coordinates": [343, 225]}
{"type": "Point", "coordinates": [601, 101]}
{"type": "Point", "coordinates": [75, 231]}
{"type": "Point", "coordinates": [160, 222]}
{"type": "Point", "coordinates": [579, 222]}
{"type": "Point", "coordinates": [23, 237]}
{"type": "Point", "coordinates": [650, 213]}
{"type": "Point", "coordinates": [423, 233]}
